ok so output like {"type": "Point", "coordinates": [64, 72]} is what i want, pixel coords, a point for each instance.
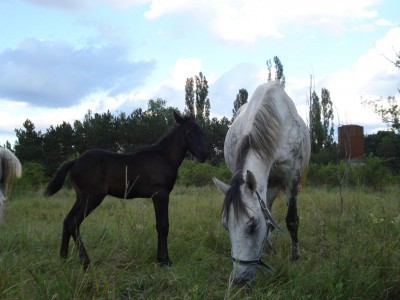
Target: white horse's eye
{"type": "Point", "coordinates": [252, 224]}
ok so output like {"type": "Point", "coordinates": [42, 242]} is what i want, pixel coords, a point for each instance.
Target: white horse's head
{"type": "Point", "coordinates": [246, 217]}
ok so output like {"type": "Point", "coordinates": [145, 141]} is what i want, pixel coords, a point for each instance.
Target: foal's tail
{"type": "Point", "coordinates": [58, 180]}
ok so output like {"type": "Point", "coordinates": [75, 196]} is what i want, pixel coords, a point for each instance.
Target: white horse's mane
{"type": "Point", "coordinates": [263, 126]}
{"type": "Point", "coordinates": [263, 134]}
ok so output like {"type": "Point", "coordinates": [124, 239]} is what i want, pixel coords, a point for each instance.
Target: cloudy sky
{"type": "Point", "coordinates": [58, 59]}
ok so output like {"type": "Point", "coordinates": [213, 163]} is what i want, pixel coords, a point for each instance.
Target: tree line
{"type": "Point", "coordinates": [119, 133]}
{"type": "Point", "coordinates": [126, 133]}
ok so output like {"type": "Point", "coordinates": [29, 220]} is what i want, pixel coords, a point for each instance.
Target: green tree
{"type": "Point", "coordinates": [202, 100]}
{"type": "Point", "coordinates": [102, 132]}
{"type": "Point", "coordinates": [241, 98]}
{"type": "Point", "coordinates": [215, 132]}
{"type": "Point", "coordinates": [157, 118]}
{"type": "Point", "coordinates": [58, 146]}
{"type": "Point", "coordinates": [388, 110]}
{"type": "Point", "coordinates": [384, 144]}
{"type": "Point", "coordinates": [279, 76]}
{"type": "Point", "coordinates": [189, 96]}
{"type": "Point", "coordinates": [28, 147]}
{"type": "Point", "coordinates": [136, 127]}
{"type": "Point", "coordinates": [327, 118]}
{"type": "Point", "coordinates": [279, 71]}
{"type": "Point", "coordinates": [80, 134]}
{"type": "Point", "coordinates": [316, 126]}
{"type": "Point", "coordinates": [7, 145]}
{"type": "Point", "coordinates": [321, 120]}
{"type": "Point", "coordinates": [196, 98]}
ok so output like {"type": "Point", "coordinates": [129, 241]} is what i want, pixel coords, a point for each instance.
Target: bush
{"type": "Point", "coordinates": [32, 177]}
{"type": "Point", "coordinates": [370, 171]}
{"type": "Point", "coordinates": [194, 173]}
{"type": "Point", "coordinates": [324, 156]}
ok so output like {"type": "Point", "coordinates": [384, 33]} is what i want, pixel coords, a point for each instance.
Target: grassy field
{"type": "Point", "coordinates": [349, 245]}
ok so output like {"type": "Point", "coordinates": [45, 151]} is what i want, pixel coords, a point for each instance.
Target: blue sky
{"type": "Point", "coordinates": [58, 59]}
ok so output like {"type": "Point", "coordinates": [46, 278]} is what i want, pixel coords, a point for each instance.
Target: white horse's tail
{"type": "Point", "coordinates": [18, 167]}
{"type": "Point", "coordinates": [11, 165]}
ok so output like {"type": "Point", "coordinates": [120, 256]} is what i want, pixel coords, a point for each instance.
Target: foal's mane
{"type": "Point", "coordinates": [159, 144]}
{"type": "Point", "coordinates": [263, 138]}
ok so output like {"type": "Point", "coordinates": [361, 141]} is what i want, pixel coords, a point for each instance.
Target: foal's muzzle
{"type": "Point", "coordinates": [202, 156]}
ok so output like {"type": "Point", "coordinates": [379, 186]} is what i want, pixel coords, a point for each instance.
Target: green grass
{"type": "Point", "coordinates": [349, 244]}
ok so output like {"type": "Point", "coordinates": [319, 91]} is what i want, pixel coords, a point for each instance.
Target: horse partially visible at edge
{"type": "Point", "coordinates": [148, 173]}
{"type": "Point", "coordinates": [10, 168]}
{"type": "Point", "coordinates": [266, 148]}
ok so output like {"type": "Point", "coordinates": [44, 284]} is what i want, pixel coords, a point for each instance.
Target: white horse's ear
{"type": "Point", "coordinates": [251, 181]}
{"type": "Point", "coordinates": [177, 117]}
{"type": "Point", "coordinates": [222, 187]}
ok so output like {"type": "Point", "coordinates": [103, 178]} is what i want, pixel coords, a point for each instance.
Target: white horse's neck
{"type": "Point", "coordinates": [260, 170]}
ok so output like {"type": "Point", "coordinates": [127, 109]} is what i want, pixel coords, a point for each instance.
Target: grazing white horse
{"type": "Point", "coordinates": [10, 167]}
{"type": "Point", "coordinates": [266, 148]}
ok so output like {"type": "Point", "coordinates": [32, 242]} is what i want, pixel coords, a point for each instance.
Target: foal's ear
{"type": "Point", "coordinates": [222, 187]}
{"type": "Point", "coordinates": [177, 117]}
{"type": "Point", "coordinates": [251, 181]}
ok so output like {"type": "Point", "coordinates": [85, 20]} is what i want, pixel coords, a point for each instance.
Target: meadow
{"type": "Point", "coordinates": [349, 242]}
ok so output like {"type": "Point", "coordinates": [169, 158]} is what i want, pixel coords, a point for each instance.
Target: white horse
{"type": "Point", "coordinates": [266, 148]}
{"type": "Point", "coordinates": [10, 167]}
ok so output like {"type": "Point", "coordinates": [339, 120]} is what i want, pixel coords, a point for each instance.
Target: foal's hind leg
{"type": "Point", "coordinates": [66, 234]}
{"type": "Point", "coordinates": [72, 222]}
{"type": "Point", "coordinates": [292, 219]}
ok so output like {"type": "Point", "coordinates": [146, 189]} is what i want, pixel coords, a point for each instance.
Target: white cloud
{"type": "Point", "coordinates": [159, 8]}
{"type": "Point", "coordinates": [55, 74]}
{"type": "Point", "coordinates": [371, 77]}
{"type": "Point", "coordinates": [183, 69]}
{"type": "Point", "coordinates": [65, 4]}
{"type": "Point", "coordinates": [384, 23]}
{"type": "Point", "coordinates": [172, 89]}
{"type": "Point", "coordinates": [86, 4]}
{"type": "Point", "coordinates": [245, 21]}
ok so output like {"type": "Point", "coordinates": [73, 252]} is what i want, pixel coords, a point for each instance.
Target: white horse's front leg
{"type": "Point", "coordinates": [272, 193]}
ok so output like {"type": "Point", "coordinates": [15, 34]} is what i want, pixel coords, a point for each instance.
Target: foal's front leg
{"type": "Point", "coordinates": [160, 201]}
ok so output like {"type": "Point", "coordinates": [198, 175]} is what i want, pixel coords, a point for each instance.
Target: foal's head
{"type": "Point", "coordinates": [193, 136]}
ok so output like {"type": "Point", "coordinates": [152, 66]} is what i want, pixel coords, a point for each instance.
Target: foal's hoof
{"type": "Point", "coordinates": [295, 253]}
{"type": "Point", "coordinates": [86, 266]}
{"type": "Point", "coordinates": [164, 263]}
{"type": "Point", "coordinates": [296, 257]}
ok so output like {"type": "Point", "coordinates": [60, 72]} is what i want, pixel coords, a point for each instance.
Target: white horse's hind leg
{"type": "Point", "coordinates": [292, 218]}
